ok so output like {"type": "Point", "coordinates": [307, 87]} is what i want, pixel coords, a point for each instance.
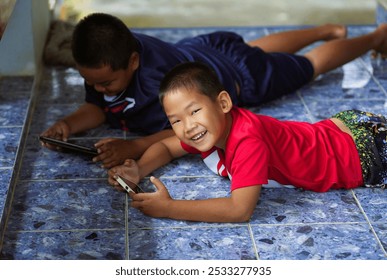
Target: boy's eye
{"type": "Point", "coordinates": [195, 111]}
{"type": "Point", "coordinates": [105, 84]}
{"type": "Point", "coordinates": [174, 122]}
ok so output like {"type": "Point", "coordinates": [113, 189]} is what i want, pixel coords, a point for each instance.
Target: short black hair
{"type": "Point", "coordinates": [101, 39]}
{"type": "Point", "coordinates": [191, 75]}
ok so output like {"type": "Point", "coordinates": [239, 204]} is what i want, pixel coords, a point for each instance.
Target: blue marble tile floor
{"type": "Point", "coordinates": [61, 206]}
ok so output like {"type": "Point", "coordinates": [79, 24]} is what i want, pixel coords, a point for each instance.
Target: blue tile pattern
{"type": "Point", "coordinates": [63, 208]}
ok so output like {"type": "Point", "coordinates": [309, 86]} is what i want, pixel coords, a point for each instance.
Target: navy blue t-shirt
{"type": "Point", "coordinates": [137, 109]}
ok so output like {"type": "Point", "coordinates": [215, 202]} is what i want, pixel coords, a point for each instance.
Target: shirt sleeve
{"type": "Point", "coordinates": [249, 166]}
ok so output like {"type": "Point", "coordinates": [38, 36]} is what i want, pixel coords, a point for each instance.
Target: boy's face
{"type": "Point", "coordinates": [196, 119]}
{"type": "Point", "coordinates": [107, 81]}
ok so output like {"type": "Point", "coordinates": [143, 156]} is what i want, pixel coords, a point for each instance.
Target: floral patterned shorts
{"type": "Point", "coordinates": [370, 134]}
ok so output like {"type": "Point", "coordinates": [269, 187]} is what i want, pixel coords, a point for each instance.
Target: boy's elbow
{"type": "Point", "coordinates": [246, 216]}
{"type": "Point", "coordinates": [242, 215]}
{"type": "Point", "coordinates": [243, 203]}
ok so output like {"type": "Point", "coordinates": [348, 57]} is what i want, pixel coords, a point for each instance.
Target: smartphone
{"type": "Point", "coordinates": [128, 185]}
{"type": "Point", "coordinates": [69, 146]}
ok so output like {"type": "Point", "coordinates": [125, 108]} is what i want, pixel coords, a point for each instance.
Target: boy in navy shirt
{"type": "Point", "coordinates": [123, 70]}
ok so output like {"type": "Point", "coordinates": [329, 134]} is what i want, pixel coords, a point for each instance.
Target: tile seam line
{"type": "Point", "coordinates": [255, 247]}
{"type": "Point", "coordinates": [11, 126]}
{"type": "Point", "coordinates": [251, 224]}
{"type": "Point", "coordinates": [308, 111]}
{"type": "Point", "coordinates": [183, 227]}
{"type": "Point", "coordinates": [187, 227]}
{"type": "Point", "coordinates": [100, 229]}
{"type": "Point", "coordinates": [6, 168]}
{"type": "Point", "coordinates": [373, 77]}
{"type": "Point", "coordinates": [369, 223]}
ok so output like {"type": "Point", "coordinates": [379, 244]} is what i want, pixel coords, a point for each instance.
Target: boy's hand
{"type": "Point", "coordinates": [60, 130]}
{"type": "Point", "coordinates": [129, 170]}
{"type": "Point", "coordinates": [155, 204]}
{"type": "Point", "coordinates": [113, 151]}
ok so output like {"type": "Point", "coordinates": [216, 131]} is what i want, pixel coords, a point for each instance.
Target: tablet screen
{"type": "Point", "coordinates": [68, 145]}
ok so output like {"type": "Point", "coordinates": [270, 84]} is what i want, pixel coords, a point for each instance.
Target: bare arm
{"type": "Point", "coordinates": [86, 117]}
{"type": "Point", "coordinates": [236, 208]}
{"type": "Point", "coordinates": [160, 154]}
{"type": "Point", "coordinates": [157, 155]}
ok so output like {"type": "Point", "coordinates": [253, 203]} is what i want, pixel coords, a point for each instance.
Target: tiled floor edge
{"type": "Point", "coordinates": [19, 155]}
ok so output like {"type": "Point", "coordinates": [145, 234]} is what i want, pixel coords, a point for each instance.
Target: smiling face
{"type": "Point", "coordinates": [107, 81]}
{"type": "Point", "coordinates": [197, 120]}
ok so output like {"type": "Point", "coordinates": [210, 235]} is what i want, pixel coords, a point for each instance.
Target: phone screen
{"type": "Point", "coordinates": [128, 185]}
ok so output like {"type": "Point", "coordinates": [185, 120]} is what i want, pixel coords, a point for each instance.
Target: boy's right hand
{"type": "Point", "coordinates": [113, 151]}
{"type": "Point", "coordinates": [60, 130]}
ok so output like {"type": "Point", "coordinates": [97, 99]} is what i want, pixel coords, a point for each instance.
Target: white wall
{"type": "Point", "coordinates": [22, 44]}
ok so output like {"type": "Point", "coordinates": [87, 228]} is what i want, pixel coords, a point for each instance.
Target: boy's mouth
{"type": "Point", "coordinates": [199, 136]}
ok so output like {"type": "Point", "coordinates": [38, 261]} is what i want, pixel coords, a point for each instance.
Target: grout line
{"type": "Point", "coordinates": [309, 113]}
{"type": "Point", "coordinates": [255, 248]}
{"type": "Point", "coordinates": [373, 77]}
{"type": "Point", "coordinates": [203, 226]}
{"type": "Point", "coordinates": [311, 224]}
{"type": "Point", "coordinates": [6, 168]}
{"type": "Point", "coordinates": [251, 224]}
{"type": "Point", "coordinates": [369, 223]}
{"type": "Point", "coordinates": [186, 227]}
{"type": "Point", "coordinates": [11, 126]}
{"type": "Point", "coordinates": [190, 227]}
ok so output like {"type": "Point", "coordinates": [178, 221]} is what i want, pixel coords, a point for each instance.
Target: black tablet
{"type": "Point", "coordinates": [69, 146]}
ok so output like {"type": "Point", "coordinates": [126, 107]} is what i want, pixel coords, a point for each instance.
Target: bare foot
{"type": "Point", "coordinates": [334, 31]}
{"type": "Point", "coordinates": [381, 41]}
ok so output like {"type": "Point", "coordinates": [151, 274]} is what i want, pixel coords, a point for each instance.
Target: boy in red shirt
{"type": "Point", "coordinates": [345, 151]}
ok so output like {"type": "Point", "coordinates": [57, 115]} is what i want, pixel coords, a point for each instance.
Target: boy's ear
{"type": "Point", "coordinates": [134, 61]}
{"type": "Point", "coordinates": [224, 101]}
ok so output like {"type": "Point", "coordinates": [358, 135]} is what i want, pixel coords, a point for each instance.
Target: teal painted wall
{"type": "Point", "coordinates": [22, 44]}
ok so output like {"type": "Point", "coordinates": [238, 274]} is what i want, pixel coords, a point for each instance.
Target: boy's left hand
{"type": "Point", "coordinates": [112, 151]}
{"type": "Point", "coordinates": [155, 204]}
{"type": "Point", "coordinates": [129, 170]}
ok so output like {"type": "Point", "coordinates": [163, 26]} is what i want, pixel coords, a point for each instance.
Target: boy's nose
{"type": "Point", "coordinates": [189, 124]}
